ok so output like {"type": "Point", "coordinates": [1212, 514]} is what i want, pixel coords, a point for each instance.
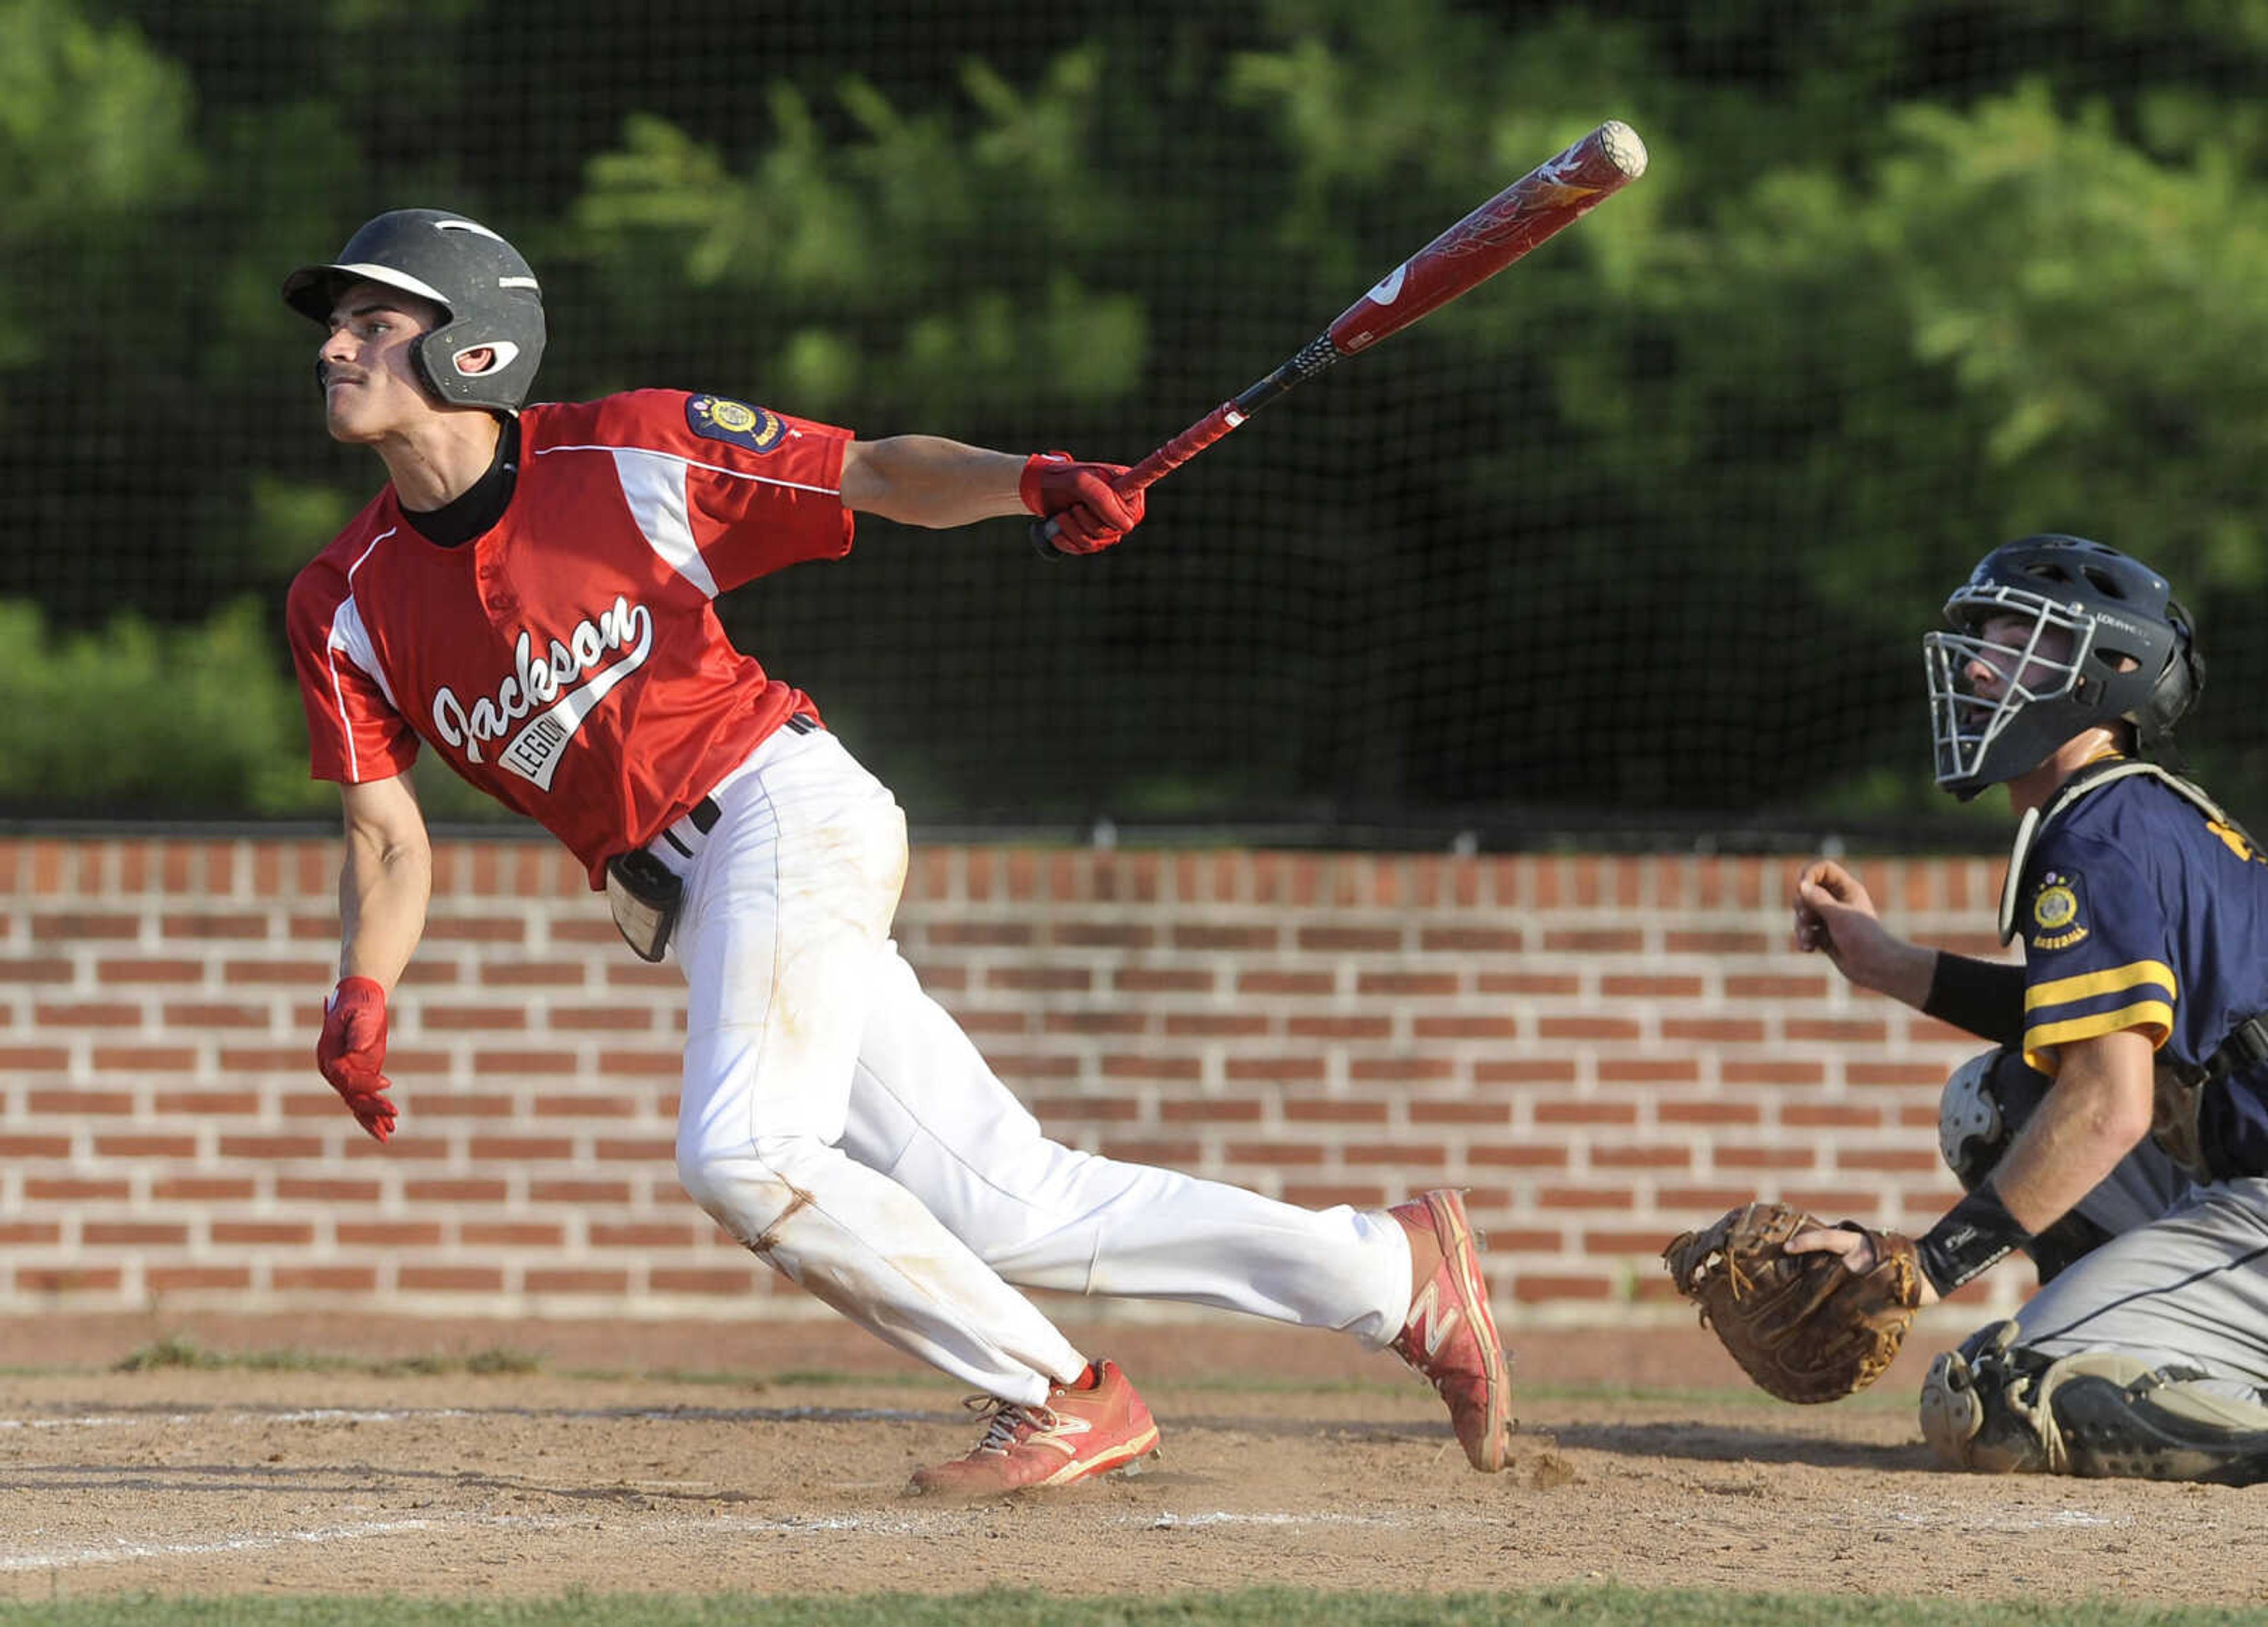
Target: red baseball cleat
{"type": "Point", "coordinates": [1451, 1339]}
{"type": "Point", "coordinates": [1094, 1427]}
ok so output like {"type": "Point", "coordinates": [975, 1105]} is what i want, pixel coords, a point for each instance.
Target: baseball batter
{"type": "Point", "coordinates": [532, 596]}
{"type": "Point", "coordinates": [2119, 1129]}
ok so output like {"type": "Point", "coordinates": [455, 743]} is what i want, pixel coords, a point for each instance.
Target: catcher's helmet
{"type": "Point", "coordinates": [488, 296]}
{"type": "Point", "coordinates": [2132, 659]}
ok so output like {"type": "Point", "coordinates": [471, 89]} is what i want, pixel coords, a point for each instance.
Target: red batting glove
{"type": "Point", "coordinates": [1090, 515]}
{"type": "Point", "coordinates": [353, 1049]}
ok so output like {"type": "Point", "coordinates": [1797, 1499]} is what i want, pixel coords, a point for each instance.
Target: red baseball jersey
{"type": "Point", "coordinates": [569, 661]}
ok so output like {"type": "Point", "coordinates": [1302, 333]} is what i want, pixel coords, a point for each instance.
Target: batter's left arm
{"type": "Point", "coordinates": [925, 480]}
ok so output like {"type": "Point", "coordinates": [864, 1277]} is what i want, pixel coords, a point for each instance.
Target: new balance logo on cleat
{"type": "Point", "coordinates": [1425, 1312]}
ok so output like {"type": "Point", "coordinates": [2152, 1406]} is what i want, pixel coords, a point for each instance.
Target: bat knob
{"type": "Point", "coordinates": [1043, 538]}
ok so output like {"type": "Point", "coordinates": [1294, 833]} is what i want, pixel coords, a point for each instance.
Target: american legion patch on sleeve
{"type": "Point", "coordinates": [715, 417]}
{"type": "Point", "coordinates": [2056, 911]}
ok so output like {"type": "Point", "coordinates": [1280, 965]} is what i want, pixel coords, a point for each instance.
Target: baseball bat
{"type": "Point", "coordinates": [1540, 205]}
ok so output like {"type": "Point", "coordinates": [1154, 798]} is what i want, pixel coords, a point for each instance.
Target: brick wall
{"type": "Point", "coordinates": [1605, 1050]}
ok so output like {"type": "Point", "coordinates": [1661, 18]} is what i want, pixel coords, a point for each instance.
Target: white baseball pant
{"type": "Point", "coordinates": [836, 1120]}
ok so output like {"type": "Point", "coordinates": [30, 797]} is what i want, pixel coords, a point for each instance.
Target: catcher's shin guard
{"type": "Point", "coordinates": [1996, 1408]}
{"type": "Point", "coordinates": [2162, 1425]}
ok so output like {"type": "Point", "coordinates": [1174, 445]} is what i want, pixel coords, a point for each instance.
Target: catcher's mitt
{"type": "Point", "coordinates": [1805, 1327]}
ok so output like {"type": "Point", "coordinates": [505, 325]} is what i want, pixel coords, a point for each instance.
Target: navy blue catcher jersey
{"type": "Point", "coordinates": [2142, 911]}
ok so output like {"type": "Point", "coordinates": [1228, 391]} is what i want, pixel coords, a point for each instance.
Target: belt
{"type": "Point", "coordinates": [683, 844]}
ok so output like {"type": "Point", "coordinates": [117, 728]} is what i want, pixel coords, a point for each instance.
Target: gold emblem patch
{"type": "Point", "coordinates": [2055, 914]}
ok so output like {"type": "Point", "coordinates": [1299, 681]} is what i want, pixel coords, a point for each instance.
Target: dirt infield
{"type": "Point", "coordinates": [1288, 1458]}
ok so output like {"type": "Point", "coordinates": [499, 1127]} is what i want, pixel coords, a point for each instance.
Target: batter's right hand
{"type": "Point", "coordinates": [1088, 513]}
{"type": "Point", "coordinates": [352, 1051]}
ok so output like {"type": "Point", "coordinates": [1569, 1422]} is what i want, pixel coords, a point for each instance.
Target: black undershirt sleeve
{"type": "Point", "coordinates": [1984, 997]}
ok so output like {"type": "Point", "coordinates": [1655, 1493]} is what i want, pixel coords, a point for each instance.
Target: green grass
{"type": "Point", "coordinates": [1607, 1605]}
{"type": "Point", "coordinates": [177, 1352]}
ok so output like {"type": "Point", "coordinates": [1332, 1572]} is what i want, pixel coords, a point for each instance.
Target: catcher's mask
{"type": "Point", "coordinates": [488, 294]}
{"type": "Point", "coordinates": [2107, 644]}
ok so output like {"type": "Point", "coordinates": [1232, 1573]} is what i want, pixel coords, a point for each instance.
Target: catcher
{"type": "Point", "coordinates": [2118, 1131]}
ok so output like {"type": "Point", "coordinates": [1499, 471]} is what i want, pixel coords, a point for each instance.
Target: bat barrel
{"type": "Point", "coordinates": [1540, 205]}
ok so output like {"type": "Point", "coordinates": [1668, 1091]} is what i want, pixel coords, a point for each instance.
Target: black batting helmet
{"type": "Point", "coordinates": [487, 295]}
{"type": "Point", "coordinates": [2132, 659]}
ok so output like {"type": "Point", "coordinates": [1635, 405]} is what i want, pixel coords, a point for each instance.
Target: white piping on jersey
{"type": "Point", "coordinates": [354, 638]}
{"type": "Point", "coordinates": [654, 484]}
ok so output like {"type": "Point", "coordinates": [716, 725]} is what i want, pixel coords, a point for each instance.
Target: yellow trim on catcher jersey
{"type": "Point", "coordinates": [2085, 985]}
{"type": "Point", "coordinates": [2040, 1043]}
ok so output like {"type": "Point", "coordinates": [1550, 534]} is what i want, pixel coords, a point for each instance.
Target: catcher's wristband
{"type": "Point", "coordinates": [1977, 1234]}
{"type": "Point", "coordinates": [1982, 996]}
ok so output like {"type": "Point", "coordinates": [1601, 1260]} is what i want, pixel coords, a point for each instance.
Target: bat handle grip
{"type": "Point", "coordinates": [1154, 468]}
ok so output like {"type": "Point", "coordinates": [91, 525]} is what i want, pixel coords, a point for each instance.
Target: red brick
{"type": "Point", "coordinates": [451, 1278]}
{"type": "Point", "coordinates": [1118, 1065]}
{"type": "Point", "coordinates": [1101, 935]}
{"type": "Point", "coordinates": [31, 1232]}
{"type": "Point", "coordinates": [1340, 1028]}
{"type": "Point", "coordinates": [1095, 1022]}
{"type": "Point", "coordinates": [205, 1190]}
{"type": "Point", "coordinates": [327, 1189]}
{"type": "Point", "coordinates": [145, 1146]}
{"type": "Point", "coordinates": [1358, 1195]}
{"type": "Point", "coordinates": [512, 1234]}
{"type": "Point", "coordinates": [1497, 1113]}
{"type": "Point", "coordinates": [584, 1019]}
{"type": "Point", "coordinates": [1211, 1110]}
{"type": "Point", "coordinates": [67, 1279]}
{"type": "Point", "coordinates": [585, 1280]}
{"type": "Point", "coordinates": [85, 926]}
{"type": "Point", "coordinates": [272, 1146]}
{"type": "Point", "coordinates": [1648, 1070]}
{"type": "Point", "coordinates": [202, 925]}
{"type": "Point", "coordinates": [1331, 1112]}
{"type": "Point", "coordinates": [389, 1235]}
{"type": "Point", "coordinates": [147, 970]}
{"type": "Point", "coordinates": [1707, 1113]}
{"type": "Point", "coordinates": [33, 1059]}
{"type": "Point", "coordinates": [143, 1059]}
{"type": "Point", "coordinates": [454, 1189]}
{"type": "Point", "coordinates": [1528, 1288]}
{"type": "Point", "coordinates": [301, 1231]}
{"type": "Point", "coordinates": [581, 1194]}
{"type": "Point", "coordinates": [35, 970]}
{"type": "Point", "coordinates": [1267, 984]}
{"type": "Point", "coordinates": [324, 1279]}
{"type": "Point", "coordinates": [86, 1014]}
{"type": "Point", "coordinates": [1611, 1157]}
{"type": "Point", "coordinates": [1713, 1030]}
{"type": "Point", "coordinates": [1736, 1072]}
{"type": "Point", "coordinates": [185, 1278]}
{"type": "Point", "coordinates": [981, 934]}
{"type": "Point", "coordinates": [476, 930]}
{"type": "Point", "coordinates": [1518, 1156]}
{"type": "Point", "coordinates": [1274, 1153]}
{"type": "Point", "coordinates": [1528, 982]}
{"type": "Point", "coordinates": [1587, 1028]}
{"type": "Point", "coordinates": [214, 1014]}
{"type": "Point", "coordinates": [1273, 1070]}
{"type": "Point", "coordinates": [710, 1280]}
{"type": "Point", "coordinates": [1161, 980]}
{"type": "Point", "coordinates": [1472, 940]}
{"type": "Point", "coordinates": [1350, 939]}
{"type": "Point", "coordinates": [103, 1234]}
{"type": "Point", "coordinates": [1586, 1113]}
{"type": "Point", "coordinates": [1217, 1025]}
{"type": "Point", "coordinates": [72, 1101]}
{"type": "Point", "coordinates": [1407, 985]}
{"type": "Point", "coordinates": [1650, 988]}
{"type": "Point", "coordinates": [1251, 939]}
